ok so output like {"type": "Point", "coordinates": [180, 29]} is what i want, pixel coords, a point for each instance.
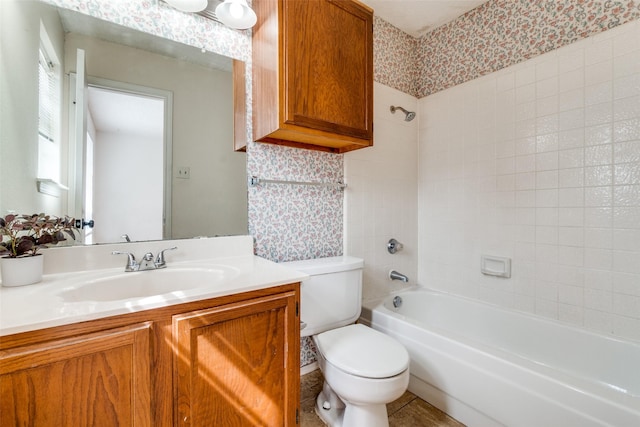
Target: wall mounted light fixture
{"type": "Point", "coordinates": [236, 14]}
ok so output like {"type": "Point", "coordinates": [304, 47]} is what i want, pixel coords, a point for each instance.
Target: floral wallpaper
{"type": "Point", "coordinates": [294, 222]}
{"type": "Point", "coordinates": [395, 62]}
{"type": "Point", "coordinates": [501, 33]}
{"type": "Point", "coordinates": [495, 35]}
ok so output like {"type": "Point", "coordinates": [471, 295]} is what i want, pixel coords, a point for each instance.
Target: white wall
{"type": "Point", "coordinates": [19, 44]}
{"type": "Point", "coordinates": [214, 200]}
{"type": "Point", "coordinates": [381, 198]}
{"type": "Point", "coordinates": [121, 198]}
{"type": "Point", "coordinates": [540, 162]}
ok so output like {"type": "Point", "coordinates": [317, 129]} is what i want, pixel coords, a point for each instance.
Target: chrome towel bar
{"type": "Point", "coordinates": [255, 181]}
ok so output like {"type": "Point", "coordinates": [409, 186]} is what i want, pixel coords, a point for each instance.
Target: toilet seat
{"type": "Point", "coordinates": [362, 351]}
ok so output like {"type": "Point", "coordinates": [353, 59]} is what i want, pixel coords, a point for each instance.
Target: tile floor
{"type": "Point", "coordinates": [408, 411]}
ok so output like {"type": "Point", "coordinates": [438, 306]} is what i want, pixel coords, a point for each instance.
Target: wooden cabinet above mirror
{"type": "Point", "coordinates": [313, 74]}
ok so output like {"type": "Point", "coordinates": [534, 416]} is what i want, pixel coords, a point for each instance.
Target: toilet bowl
{"type": "Point", "coordinates": [363, 369]}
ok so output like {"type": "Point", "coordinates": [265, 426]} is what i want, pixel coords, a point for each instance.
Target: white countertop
{"type": "Point", "coordinates": [44, 305]}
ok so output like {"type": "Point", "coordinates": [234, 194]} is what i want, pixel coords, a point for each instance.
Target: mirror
{"type": "Point", "coordinates": [208, 195]}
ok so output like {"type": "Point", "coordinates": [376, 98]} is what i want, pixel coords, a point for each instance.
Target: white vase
{"type": "Point", "coordinates": [21, 271]}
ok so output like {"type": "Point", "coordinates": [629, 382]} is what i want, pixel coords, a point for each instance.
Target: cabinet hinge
{"type": "Point", "coordinates": [297, 309]}
{"type": "Point", "coordinates": [297, 416]}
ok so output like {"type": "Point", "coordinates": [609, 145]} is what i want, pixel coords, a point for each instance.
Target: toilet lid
{"type": "Point", "coordinates": [362, 351]}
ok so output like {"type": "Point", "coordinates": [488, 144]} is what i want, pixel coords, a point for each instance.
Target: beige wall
{"type": "Point", "coordinates": [202, 129]}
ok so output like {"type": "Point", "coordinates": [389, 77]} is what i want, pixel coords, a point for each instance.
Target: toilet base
{"type": "Point", "coordinates": [335, 413]}
{"type": "Point", "coordinates": [332, 416]}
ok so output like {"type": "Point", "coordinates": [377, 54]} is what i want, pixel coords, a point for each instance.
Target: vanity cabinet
{"type": "Point", "coordinates": [233, 364]}
{"type": "Point", "coordinates": [228, 361]}
{"type": "Point", "coordinates": [100, 378]}
{"type": "Point", "coordinates": [313, 74]}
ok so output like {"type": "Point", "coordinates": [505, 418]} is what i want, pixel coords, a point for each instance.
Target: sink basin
{"type": "Point", "coordinates": [144, 284]}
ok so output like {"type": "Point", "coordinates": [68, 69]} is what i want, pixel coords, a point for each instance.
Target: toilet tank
{"type": "Point", "coordinates": [332, 296]}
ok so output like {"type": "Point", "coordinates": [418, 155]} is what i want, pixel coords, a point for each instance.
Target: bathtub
{"type": "Point", "coordinates": [487, 366]}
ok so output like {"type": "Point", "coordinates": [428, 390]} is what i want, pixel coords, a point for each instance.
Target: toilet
{"type": "Point", "coordinates": [363, 369]}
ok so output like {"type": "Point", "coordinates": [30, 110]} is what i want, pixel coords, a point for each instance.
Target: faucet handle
{"type": "Point", "coordinates": [394, 246]}
{"type": "Point", "coordinates": [132, 265]}
{"type": "Point", "coordinates": [160, 261]}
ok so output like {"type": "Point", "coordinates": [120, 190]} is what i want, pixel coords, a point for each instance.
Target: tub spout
{"type": "Point", "coordinates": [394, 275]}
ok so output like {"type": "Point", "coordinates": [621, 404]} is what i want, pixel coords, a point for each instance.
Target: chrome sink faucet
{"type": "Point", "coordinates": [147, 263]}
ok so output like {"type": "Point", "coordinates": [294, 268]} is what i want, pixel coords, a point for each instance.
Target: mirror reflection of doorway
{"type": "Point", "coordinates": [125, 164]}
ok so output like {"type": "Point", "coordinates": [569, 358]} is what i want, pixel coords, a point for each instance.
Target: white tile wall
{"type": "Point", "coordinates": [539, 162]}
{"type": "Point", "coordinates": [381, 198]}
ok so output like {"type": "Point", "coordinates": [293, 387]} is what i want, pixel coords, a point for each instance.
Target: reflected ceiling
{"type": "Point", "coordinates": [74, 22]}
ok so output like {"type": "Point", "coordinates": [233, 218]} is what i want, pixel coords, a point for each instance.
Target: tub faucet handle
{"type": "Point", "coordinates": [394, 246]}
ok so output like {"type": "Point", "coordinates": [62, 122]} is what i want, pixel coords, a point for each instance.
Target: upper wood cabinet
{"type": "Point", "coordinates": [239, 106]}
{"type": "Point", "coordinates": [313, 74]}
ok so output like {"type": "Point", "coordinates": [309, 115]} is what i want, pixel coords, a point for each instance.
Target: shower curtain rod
{"type": "Point", "coordinates": [255, 181]}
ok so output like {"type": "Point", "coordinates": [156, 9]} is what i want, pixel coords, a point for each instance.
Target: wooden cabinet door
{"type": "Point", "coordinates": [312, 68]}
{"type": "Point", "coordinates": [238, 364]}
{"type": "Point", "coordinates": [98, 379]}
{"type": "Point", "coordinates": [239, 106]}
{"type": "Point", "coordinates": [327, 70]}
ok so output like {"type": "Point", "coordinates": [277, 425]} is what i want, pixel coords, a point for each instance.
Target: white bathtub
{"type": "Point", "coordinates": [486, 366]}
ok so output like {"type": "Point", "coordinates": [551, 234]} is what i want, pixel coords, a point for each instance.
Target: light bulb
{"type": "Point", "coordinates": [235, 14]}
{"type": "Point", "coordinates": [236, 10]}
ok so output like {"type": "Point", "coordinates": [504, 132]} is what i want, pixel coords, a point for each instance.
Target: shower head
{"type": "Point", "coordinates": [409, 115]}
